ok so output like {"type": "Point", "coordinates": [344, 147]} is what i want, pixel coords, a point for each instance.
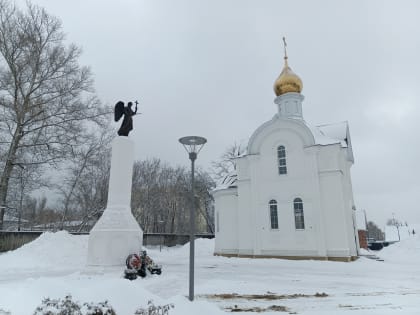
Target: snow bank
{"type": "Point", "coordinates": [406, 251]}
{"type": "Point", "coordinates": [202, 247]}
{"type": "Point", "coordinates": [50, 251]}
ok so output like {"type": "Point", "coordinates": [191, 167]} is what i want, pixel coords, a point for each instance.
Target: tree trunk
{"type": "Point", "coordinates": [7, 171]}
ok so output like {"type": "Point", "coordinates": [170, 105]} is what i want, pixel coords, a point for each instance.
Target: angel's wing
{"type": "Point", "coordinates": [118, 111]}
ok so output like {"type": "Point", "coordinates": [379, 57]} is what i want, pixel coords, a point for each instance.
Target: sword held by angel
{"type": "Point", "coordinates": [126, 111]}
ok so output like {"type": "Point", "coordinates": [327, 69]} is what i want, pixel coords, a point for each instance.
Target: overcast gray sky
{"type": "Point", "coordinates": [207, 68]}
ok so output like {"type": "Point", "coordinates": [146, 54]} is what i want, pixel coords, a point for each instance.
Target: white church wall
{"type": "Point", "coordinates": [242, 168]}
{"type": "Point", "coordinates": [265, 130]}
{"type": "Point", "coordinates": [246, 217]}
{"type": "Point", "coordinates": [348, 202]}
{"type": "Point", "coordinates": [353, 235]}
{"type": "Point", "coordinates": [286, 240]}
{"type": "Point", "coordinates": [226, 234]}
{"type": "Point", "coordinates": [333, 201]}
{"type": "Point", "coordinates": [301, 181]}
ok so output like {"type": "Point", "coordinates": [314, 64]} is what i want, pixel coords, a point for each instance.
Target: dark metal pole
{"type": "Point", "coordinates": [192, 145]}
{"type": "Point", "coordinates": [193, 156]}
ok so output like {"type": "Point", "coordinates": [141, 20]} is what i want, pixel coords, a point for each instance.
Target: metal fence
{"type": "Point", "coordinates": [13, 240]}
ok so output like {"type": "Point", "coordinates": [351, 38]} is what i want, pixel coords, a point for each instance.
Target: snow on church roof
{"type": "Point", "coordinates": [229, 181]}
{"type": "Point", "coordinates": [330, 134]}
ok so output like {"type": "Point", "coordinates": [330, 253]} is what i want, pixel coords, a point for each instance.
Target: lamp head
{"type": "Point", "coordinates": [193, 145]}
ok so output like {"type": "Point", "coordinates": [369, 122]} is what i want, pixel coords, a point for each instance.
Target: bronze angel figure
{"type": "Point", "coordinates": [127, 123]}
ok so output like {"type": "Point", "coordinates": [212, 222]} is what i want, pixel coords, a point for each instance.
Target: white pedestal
{"type": "Point", "coordinates": [116, 234]}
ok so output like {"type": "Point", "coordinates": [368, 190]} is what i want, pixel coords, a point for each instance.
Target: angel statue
{"type": "Point", "coordinates": [127, 123]}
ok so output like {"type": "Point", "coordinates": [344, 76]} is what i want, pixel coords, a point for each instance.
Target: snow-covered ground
{"type": "Point", "coordinates": [54, 266]}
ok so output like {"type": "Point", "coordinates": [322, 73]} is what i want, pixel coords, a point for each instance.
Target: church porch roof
{"type": "Point", "coordinates": [330, 134]}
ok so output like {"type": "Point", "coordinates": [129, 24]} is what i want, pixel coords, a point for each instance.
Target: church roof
{"type": "Point", "coordinates": [330, 134]}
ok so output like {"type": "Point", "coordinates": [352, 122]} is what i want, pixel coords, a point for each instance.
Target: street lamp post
{"type": "Point", "coordinates": [192, 145]}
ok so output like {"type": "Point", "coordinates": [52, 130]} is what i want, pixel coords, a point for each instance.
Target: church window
{"type": "Point", "coordinates": [273, 214]}
{"type": "Point", "coordinates": [298, 208]}
{"type": "Point", "coordinates": [281, 157]}
{"type": "Point", "coordinates": [217, 222]}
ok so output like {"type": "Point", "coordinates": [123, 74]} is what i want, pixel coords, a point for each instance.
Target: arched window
{"type": "Point", "coordinates": [298, 208]}
{"type": "Point", "coordinates": [273, 214]}
{"type": "Point", "coordinates": [281, 157]}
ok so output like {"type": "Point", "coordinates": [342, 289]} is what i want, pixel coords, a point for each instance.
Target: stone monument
{"type": "Point", "coordinates": [117, 234]}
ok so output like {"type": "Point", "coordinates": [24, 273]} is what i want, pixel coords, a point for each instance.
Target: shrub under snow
{"type": "Point", "coordinates": [67, 306]}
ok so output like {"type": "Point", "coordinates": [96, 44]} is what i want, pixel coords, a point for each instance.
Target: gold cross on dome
{"type": "Point", "coordinates": [285, 45]}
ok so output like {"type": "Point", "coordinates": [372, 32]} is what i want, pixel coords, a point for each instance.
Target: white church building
{"type": "Point", "coordinates": [290, 195]}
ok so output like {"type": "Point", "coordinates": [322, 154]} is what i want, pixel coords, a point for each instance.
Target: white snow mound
{"type": "Point", "coordinates": [49, 251]}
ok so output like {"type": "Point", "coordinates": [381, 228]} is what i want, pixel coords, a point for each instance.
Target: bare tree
{"type": "Point", "coordinates": [161, 198]}
{"type": "Point", "coordinates": [227, 161]}
{"type": "Point", "coordinates": [394, 222]}
{"type": "Point", "coordinates": [84, 186]}
{"type": "Point", "coordinates": [205, 202]}
{"type": "Point", "coordinates": [34, 209]}
{"type": "Point", "coordinates": [46, 97]}
{"type": "Point", "coordinates": [374, 231]}
{"type": "Point", "coordinates": [23, 181]}
{"type": "Point", "coordinates": [92, 192]}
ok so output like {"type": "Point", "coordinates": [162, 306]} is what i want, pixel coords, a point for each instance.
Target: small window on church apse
{"type": "Point", "coordinates": [273, 214]}
{"type": "Point", "coordinates": [281, 157]}
{"type": "Point", "coordinates": [299, 219]}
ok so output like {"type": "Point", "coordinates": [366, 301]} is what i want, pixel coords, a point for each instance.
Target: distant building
{"type": "Point", "coordinates": [291, 194]}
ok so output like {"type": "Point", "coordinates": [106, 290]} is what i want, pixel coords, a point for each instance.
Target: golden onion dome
{"type": "Point", "coordinates": [288, 81]}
